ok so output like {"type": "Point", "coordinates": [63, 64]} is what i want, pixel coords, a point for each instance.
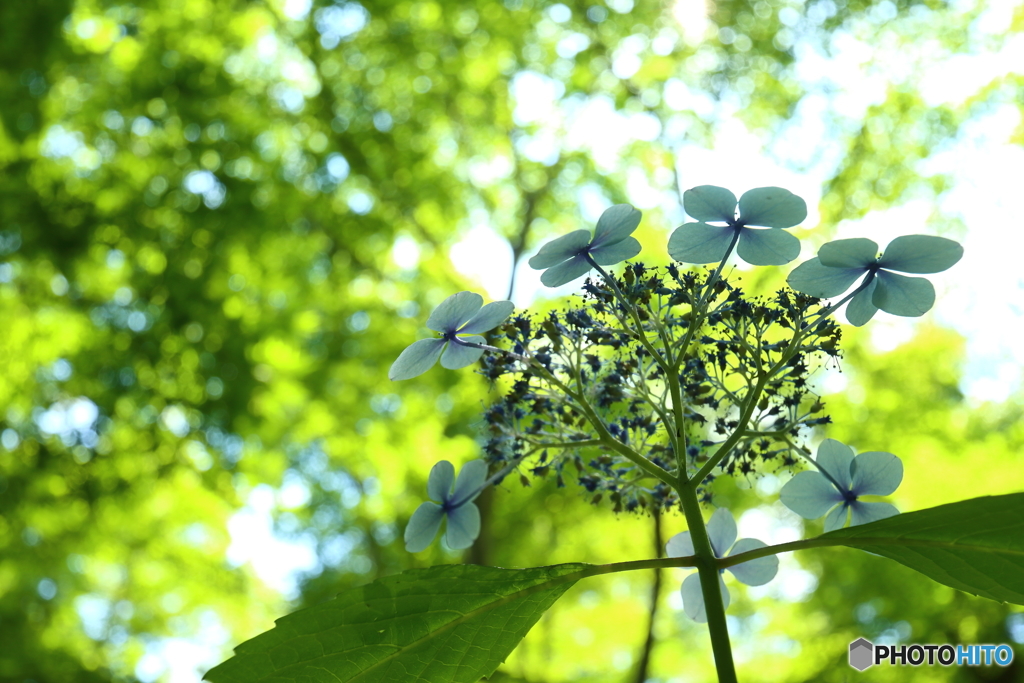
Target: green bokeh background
{"type": "Point", "coordinates": [182, 246]}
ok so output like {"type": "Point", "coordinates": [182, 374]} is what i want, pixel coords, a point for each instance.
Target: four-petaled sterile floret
{"type": "Point", "coordinates": [839, 263]}
{"type": "Point", "coordinates": [460, 319]}
{"type": "Point", "coordinates": [454, 501]}
{"type": "Point", "coordinates": [568, 257]}
{"type": "Point", "coordinates": [721, 530]}
{"type": "Point", "coordinates": [770, 208]}
{"type": "Point", "coordinates": [840, 482]}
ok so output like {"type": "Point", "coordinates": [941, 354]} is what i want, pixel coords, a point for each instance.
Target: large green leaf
{"type": "Point", "coordinates": [449, 624]}
{"type": "Point", "coordinates": [976, 546]}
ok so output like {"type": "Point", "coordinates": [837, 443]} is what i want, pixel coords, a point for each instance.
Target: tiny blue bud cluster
{"type": "Point", "coordinates": [589, 346]}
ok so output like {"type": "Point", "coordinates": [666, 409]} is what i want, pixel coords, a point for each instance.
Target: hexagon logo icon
{"type": "Point", "coordinates": [861, 654]}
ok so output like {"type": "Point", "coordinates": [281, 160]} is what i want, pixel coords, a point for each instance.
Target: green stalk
{"type": "Point", "coordinates": [708, 569]}
{"type": "Point", "coordinates": [710, 284]}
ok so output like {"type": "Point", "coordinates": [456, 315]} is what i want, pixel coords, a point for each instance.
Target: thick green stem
{"type": "Point", "coordinates": [707, 568]}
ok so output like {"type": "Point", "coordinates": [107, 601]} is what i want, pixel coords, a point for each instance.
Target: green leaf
{"type": "Point", "coordinates": [921, 254]}
{"type": "Point", "coordinates": [449, 624]}
{"type": "Point", "coordinates": [976, 545]}
{"type": "Point", "coordinates": [710, 203]}
{"type": "Point", "coordinates": [772, 207]}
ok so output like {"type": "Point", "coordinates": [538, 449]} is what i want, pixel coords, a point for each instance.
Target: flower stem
{"type": "Point", "coordinates": [709, 286]}
{"type": "Point", "coordinates": [668, 366]}
{"type": "Point", "coordinates": [707, 568]}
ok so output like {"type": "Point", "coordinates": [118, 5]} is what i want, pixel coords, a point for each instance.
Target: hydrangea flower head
{"type": "Point", "coordinates": [459, 319]}
{"type": "Point", "coordinates": [564, 259]}
{"type": "Point", "coordinates": [839, 483]}
{"type": "Point", "coordinates": [454, 500]}
{"type": "Point", "coordinates": [839, 263]}
{"type": "Point", "coordinates": [722, 534]}
{"type": "Point", "coordinates": [768, 207]}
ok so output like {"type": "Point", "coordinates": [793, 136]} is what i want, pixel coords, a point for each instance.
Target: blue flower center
{"type": "Point", "coordinates": [849, 497]}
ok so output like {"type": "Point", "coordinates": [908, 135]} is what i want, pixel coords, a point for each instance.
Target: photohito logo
{"type": "Point", "coordinates": [864, 654]}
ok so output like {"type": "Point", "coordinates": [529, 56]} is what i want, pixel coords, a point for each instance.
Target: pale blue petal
{"type": "Point", "coordinates": [721, 531]}
{"type": "Point", "coordinates": [615, 224]}
{"type": "Point", "coordinates": [810, 277]}
{"type": "Point", "coordinates": [862, 513]}
{"type": "Point", "coordinates": [901, 295]}
{"type": "Point", "coordinates": [560, 249]}
{"type": "Point", "coordinates": [457, 356]}
{"type": "Point", "coordinates": [810, 495]}
{"type": "Point", "coordinates": [439, 483]}
{"type": "Point", "coordinates": [470, 481]}
{"type": "Point", "coordinates": [876, 473]}
{"type": "Point", "coordinates": [835, 457]}
{"type": "Point", "coordinates": [710, 203]}
{"type": "Point", "coordinates": [565, 272]}
{"type": "Point", "coordinates": [857, 252]}
{"type": "Point", "coordinates": [422, 527]}
{"type": "Point", "coordinates": [836, 519]}
{"type": "Point", "coordinates": [754, 572]}
{"type": "Point", "coordinates": [768, 247]}
{"type": "Point", "coordinates": [680, 545]}
{"type": "Point", "coordinates": [453, 311]}
{"type": "Point", "coordinates": [463, 526]}
{"type": "Point", "coordinates": [700, 243]}
{"type": "Point", "coordinates": [417, 358]}
{"type": "Point", "coordinates": [489, 317]}
{"type": "Point", "coordinates": [772, 207]}
{"type": "Point", "coordinates": [921, 254]}
{"type": "Point", "coordinates": [616, 253]}
{"type": "Point", "coordinates": [860, 309]}
{"type": "Point", "coordinates": [693, 597]}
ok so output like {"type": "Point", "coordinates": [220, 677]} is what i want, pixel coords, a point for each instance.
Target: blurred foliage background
{"type": "Point", "coordinates": [221, 221]}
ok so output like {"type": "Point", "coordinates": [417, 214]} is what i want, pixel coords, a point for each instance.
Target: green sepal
{"type": "Point", "coordinates": [710, 203]}
{"type": "Point", "coordinates": [772, 207]}
{"type": "Point", "coordinates": [921, 254]}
